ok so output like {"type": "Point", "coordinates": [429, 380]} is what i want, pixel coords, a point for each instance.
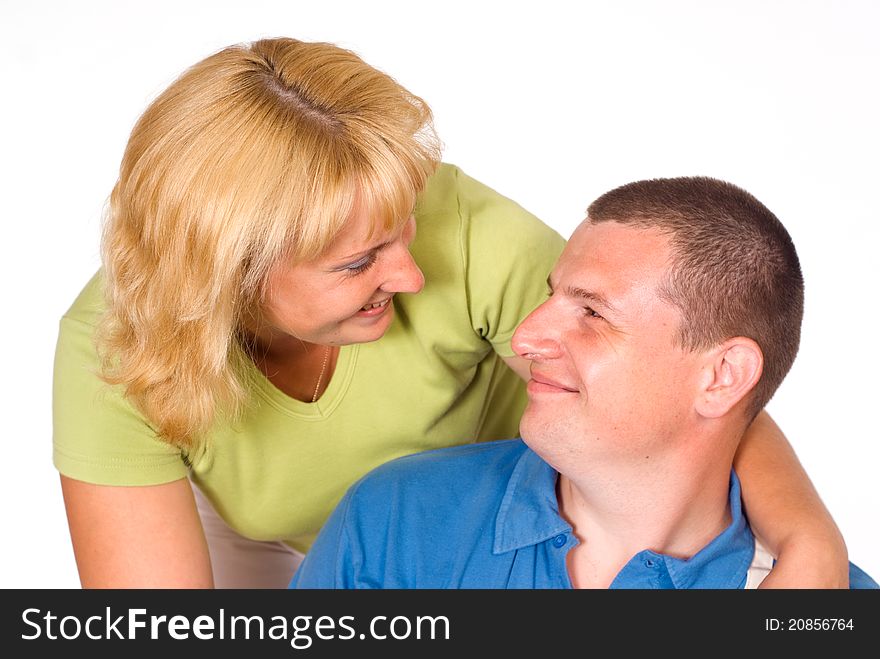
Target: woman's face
{"type": "Point", "coordinates": [345, 295]}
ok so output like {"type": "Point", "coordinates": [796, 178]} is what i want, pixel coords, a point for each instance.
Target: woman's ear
{"type": "Point", "coordinates": [730, 372]}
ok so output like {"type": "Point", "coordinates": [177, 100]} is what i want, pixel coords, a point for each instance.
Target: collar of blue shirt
{"type": "Point", "coordinates": [529, 515]}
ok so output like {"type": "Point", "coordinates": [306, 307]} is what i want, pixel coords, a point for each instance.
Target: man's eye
{"type": "Point", "coordinates": [589, 311]}
{"type": "Point", "coordinates": [362, 265]}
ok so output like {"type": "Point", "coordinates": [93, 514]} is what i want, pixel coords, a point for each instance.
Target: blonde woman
{"type": "Point", "coordinates": [294, 290]}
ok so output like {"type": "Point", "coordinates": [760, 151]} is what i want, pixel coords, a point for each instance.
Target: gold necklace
{"type": "Point", "coordinates": [321, 374]}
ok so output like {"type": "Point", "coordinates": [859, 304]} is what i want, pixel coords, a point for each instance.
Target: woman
{"type": "Point", "coordinates": [263, 224]}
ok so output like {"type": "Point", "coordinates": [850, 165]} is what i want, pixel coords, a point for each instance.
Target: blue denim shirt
{"type": "Point", "coordinates": [486, 516]}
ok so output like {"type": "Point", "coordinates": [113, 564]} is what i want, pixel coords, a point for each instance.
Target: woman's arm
{"type": "Point", "coordinates": [786, 513]}
{"type": "Point", "coordinates": [137, 537]}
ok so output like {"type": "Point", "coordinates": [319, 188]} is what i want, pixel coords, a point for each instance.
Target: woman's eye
{"type": "Point", "coordinates": [362, 265]}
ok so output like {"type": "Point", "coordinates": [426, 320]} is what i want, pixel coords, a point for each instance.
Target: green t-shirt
{"type": "Point", "coordinates": [434, 380]}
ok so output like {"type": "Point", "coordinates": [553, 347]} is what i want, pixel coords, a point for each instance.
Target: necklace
{"type": "Point", "coordinates": [321, 374]}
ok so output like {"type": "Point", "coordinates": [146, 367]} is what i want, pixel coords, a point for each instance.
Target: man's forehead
{"type": "Point", "coordinates": [617, 251]}
{"type": "Point", "coordinates": [617, 267]}
{"type": "Point", "coordinates": [619, 271]}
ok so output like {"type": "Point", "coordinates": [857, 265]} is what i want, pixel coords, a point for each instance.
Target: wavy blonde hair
{"type": "Point", "coordinates": [259, 152]}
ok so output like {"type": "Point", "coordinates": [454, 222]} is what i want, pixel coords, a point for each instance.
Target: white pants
{"type": "Point", "coordinates": [239, 562]}
{"type": "Point", "coordinates": [761, 565]}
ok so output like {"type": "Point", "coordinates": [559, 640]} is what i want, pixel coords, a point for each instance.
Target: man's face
{"type": "Point", "coordinates": [608, 383]}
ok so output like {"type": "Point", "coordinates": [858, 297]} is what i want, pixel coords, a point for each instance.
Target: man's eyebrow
{"type": "Point", "coordinates": [583, 294]}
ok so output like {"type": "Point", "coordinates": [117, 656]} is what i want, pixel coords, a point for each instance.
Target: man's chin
{"type": "Point", "coordinates": [530, 427]}
{"type": "Point", "coordinates": [545, 425]}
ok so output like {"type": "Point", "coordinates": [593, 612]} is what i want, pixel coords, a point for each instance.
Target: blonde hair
{"type": "Point", "coordinates": [259, 152]}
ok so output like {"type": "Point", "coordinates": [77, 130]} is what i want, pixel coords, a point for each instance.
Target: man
{"type": "Point", "coordinates": [674, 314]}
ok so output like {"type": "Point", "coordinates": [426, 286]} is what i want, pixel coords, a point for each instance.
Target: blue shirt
{"type": "Point", "coordinates": [486, 516]}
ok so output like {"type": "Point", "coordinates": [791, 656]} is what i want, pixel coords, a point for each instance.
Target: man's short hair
{"type": "Point", "coordinates": [734, 270]}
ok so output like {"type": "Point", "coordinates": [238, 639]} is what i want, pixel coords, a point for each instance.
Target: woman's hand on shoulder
{"type": "Point", "coordinates": [137, 536]}
{"type": "Point", "coordinates": [822, 563]}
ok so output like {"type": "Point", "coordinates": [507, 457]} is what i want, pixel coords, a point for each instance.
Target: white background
{"type": "Point", "coordinates": [550, 102]}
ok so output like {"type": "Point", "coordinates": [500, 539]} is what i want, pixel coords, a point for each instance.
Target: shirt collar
{"type": "Point", "coordinates": [529, 514]}
{"type": "Point", "coordinates": [722, 563]}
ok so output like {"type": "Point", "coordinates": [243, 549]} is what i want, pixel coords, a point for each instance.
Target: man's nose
{"type": "Point", "coordinates": [536, 336]}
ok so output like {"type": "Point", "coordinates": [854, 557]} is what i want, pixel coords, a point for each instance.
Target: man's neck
{"type": "Point", "coordinates": [671, 509]}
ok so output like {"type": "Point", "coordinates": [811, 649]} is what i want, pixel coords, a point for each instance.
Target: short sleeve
{"type": "Point", "coordinates": [508, 254]}
{"type": "Point", "coordinates": [98, 436]}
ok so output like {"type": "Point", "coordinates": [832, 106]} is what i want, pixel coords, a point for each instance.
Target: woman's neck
{"type": "Point", "coordinates": [300, 369]}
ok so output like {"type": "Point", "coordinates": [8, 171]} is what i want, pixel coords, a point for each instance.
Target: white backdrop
{"type": "Point", "coordinates": [551, 103]}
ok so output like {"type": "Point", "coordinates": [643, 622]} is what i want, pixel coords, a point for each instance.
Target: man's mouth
{"type": "Point", "coordinates": [545, 383]}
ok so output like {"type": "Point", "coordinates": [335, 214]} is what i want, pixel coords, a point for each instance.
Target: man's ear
{"type": "Point", "coordinates": [730, 372]}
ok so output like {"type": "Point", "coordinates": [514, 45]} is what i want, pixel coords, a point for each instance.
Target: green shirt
{"type": "Point", "coordinates": [435, 379]}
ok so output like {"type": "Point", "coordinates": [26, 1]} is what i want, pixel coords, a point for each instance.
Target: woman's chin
{"type": "Point", "coordinates": [366, 328]}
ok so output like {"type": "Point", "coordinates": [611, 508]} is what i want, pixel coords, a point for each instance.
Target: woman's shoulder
{"type": "Point", "coordinates": [98, 436]}
{"type": "Point", "coordinates": [485, 258]}
{"type": "Point", "coordinates": [459, 209]}
{"type": "Point", "coordinates": [89, 304]}
{"type": "Point", "coordinates": [451, 189]}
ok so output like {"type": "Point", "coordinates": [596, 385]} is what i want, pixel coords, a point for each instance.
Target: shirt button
{"type": "Point", "coordinates": [649, 563]}
{"type": "Point", "coordinates": [559, 540]}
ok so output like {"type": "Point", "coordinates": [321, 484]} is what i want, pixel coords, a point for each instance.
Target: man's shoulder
{"type": "Point", "coordinates": [485, 465]}
{"type": "Point", "coordinates": [860, 580]}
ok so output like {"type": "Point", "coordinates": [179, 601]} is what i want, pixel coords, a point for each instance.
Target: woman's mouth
{"type": "Point", "coordinates": [373, 309]}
